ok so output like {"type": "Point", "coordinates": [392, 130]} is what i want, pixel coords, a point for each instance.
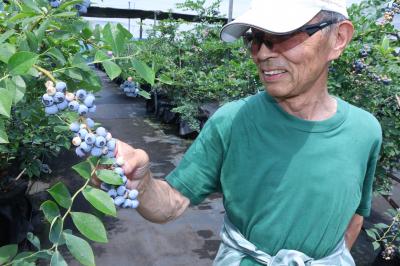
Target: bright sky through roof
{"type": "Point", "coordinates": [163, 5]}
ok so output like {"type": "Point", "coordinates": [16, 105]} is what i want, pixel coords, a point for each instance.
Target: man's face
{"type": "Point", "coordinates": [292, 64]}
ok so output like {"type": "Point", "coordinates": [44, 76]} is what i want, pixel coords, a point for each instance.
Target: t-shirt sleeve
{"type": "Point", "coordinates": [364, 209]}
{"type": "Point", "coordinates": [198, 173]}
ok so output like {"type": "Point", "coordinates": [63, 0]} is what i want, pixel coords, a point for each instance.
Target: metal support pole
{"type": "Point", "coordinates": [141, 29]}
{"type": "Point", "coordinates": [230, 10]}
{"type": "Point", "coordinates": [129, 19]}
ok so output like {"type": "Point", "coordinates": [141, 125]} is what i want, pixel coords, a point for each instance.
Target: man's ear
{"type": "Point", "coordinates": [342, 37]}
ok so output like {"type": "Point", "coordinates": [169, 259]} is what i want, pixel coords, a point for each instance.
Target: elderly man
{"type": "Point", "coordinates": [295, 165]}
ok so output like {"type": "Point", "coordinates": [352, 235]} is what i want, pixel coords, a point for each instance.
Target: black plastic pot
{"type": "Point", "coordinates": [15, 211]}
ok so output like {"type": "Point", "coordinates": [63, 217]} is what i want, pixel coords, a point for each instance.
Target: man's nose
{"type": "Point", "coordinates": [266, 51]}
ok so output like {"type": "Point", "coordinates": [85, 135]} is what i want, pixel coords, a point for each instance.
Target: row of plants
{"type": "Point", "coordinates": [46, 56]}
{"type": "Point", "coordinates": [198, 68]}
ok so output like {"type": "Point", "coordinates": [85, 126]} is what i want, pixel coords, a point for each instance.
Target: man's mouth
{"type": "Point", "coordinates": [274, 72]}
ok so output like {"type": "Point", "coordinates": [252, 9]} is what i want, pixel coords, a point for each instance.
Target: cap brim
{"type": "Point", "coordinates": [273, 21]}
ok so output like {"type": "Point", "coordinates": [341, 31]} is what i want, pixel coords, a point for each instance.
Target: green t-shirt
{"type": "Point", "coordinates": [287, 183]}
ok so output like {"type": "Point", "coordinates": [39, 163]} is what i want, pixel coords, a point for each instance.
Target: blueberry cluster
{"type": "Point", "coordinates": [391, 10]}
{"type": "Point", "coordinates": [83, 7]}
{"type": "Point", "coordinates": [58, 99]}
{"type": "Point", "coordinates": [88, 139]}
{"type": "Point", "coordinates": [130, 88]}
{"type": "Point", "coordinates": [359, 66]}
{"type": "Point", "coordinates": [96, 143]}
{"type": "Point", "coordinates": [389, 252]}
{"type": "Point", "coordinates": [123, 197]}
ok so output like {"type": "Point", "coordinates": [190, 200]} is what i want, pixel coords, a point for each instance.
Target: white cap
{"type": "Point", "coordinates": [279, 16]}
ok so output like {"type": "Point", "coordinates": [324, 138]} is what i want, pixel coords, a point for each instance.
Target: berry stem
{"type": "Point", "coordinates": [47, 73]}
{"type": "Point", "coordinates": [80, 190]}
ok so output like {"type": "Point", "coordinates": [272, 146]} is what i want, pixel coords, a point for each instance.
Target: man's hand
{"type": "Point", "coordinates": [136, 163]}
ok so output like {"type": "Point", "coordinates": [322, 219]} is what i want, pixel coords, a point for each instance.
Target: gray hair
{"type": "Point", "coordinates": [330, 16]}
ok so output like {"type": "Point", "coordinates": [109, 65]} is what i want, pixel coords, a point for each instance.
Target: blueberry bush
{"type": "Point", "coordinates": [47, 86]}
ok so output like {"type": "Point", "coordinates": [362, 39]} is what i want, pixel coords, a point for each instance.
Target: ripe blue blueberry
{"type": "Point", "coordinates": [135, 204]}
{"type": "Point", "coordinates": [101, 131]}
{"type": "Point", "coordinates": [79, 152]}
{"type": "Point", "coordinates": [89, 100]}
{"type": "Point", "coordinates": [133, 194]}
{"type": "Point", "coordinates": [81, 94]}
{"type": "Point", "coordinates": [54, 4]}
{"type": "Point", "coordinates": [82, 133]}
{"type": "Point", "coordinates": [121, 190]}
{"type": "Point", "coordinates": [105, 186]}
{"type": "Point", "coordinates": [51, 110]}
{"type": "Point", "coordinates": [127, 203]}
{"type": "Point", "coordinates": [86, 147]}
{"type": "Point", "coordinates": [90, 123]}
{"type": "Point", "coordinates": [90, 139]}
{"type": "Point", "coordinates": [61, 86]}
{"type": "Point", "coordinates": [59, 97]}
{"type": "Point", "coordinates": [97, 152]}
{"type": "Point", "coordinates": [112, 192]}
{"type": "Point", "coordinates": [73, 106]}
{"type": "Point", "coordinates": [63, 105]}
{"type": "Point", "coordinates": [47, 100]}
{"type": "Point", "coordinates": [104, 150]}
{"type": "Point", "coordinates": [92, 109]}
{"type": "Point", "coordinates": [82, 109]}
{"type": "Point", "coordinates": [111, 144]}
{"type": "Point", "coordinates": [119, 200]}
{"type": "Point", "coordinates": [124, 179]}
{"type": "Point", "coordinates": [110, 154]}
{"type": "Point", "coordinates": [74, 127]}
{"type": "Point", "coordinates": [100, 141]}
{"type": "Point", "coordinates": [119, 171]}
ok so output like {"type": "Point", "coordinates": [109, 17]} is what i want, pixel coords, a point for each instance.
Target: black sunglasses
{"type": "Point", "coordinates": [258, 38]}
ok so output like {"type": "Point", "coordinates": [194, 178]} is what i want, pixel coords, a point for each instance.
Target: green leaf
{"type": "Point", "coordinates": [371, 233]}
{"type": "Point", "coordinates": [80, 249]}
{"type": "Point", "coordinates": [375, 245]}
{"type": "Point", "coordinates": [6, 35]}
{"type": "Point", "coordinates": [112, 69]}
{"type": "Point", "coordinates": [34, 240]}
{"type": "Point", "coordinates": [114, 38]}
{"type": "Point", "coordinates": [7, 252]}
{"type": "Point", "coordinates": [29, 5]}
{"type": "Point", "coordinates": [65, 4]}
{"type": "Point", "coordinates": [5, 102]}
{"type": "Point", "coordinates": [41, 31]}
{"type": "Point", "coordinates": [79, 62]}
{"type": "Point", "coordinates": [50, 210]}
{"type": "Point", "coordinates": [381, 226]}
{"type": "Point", "coordinates": [100, 200]}
{"type": "Point", "coordinates": [6, 51]}
{"type": "Point", "coordinates": [165, 79]}
{"type": "Point", "coordinates": [65, 14]}
{"type": "Point", "coordinates": [100, 56]}
{"type": "Point", "coordinates": [144, 94]}
{"type": "Point", "coordinates": [90, 226]}
{"type": "Point", "coordinates": [3, 134]}
{"type": "Point", "coordinates": [20, 88]}
{"type": "Point", "coordinates": [56, 230]}
{"type": "Point", "coordinates": [61, 194]}
{"type": "Point", "coordinates": [144, 71]}
{"type": "Point", "coordinates": [385, 43]}
{"type": "Point", "coordinates": [57, 260]}
{"type": "Point", "coordinates": [84, 169]}
{"type": "Point", "coordinates": [21, 62]}
{"type": "Point", "coordinates": [56, 54]}
{"type": "Point", "coordinates": [109, 177]}
{"type": "Point", "coordinates": [107, 161]}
